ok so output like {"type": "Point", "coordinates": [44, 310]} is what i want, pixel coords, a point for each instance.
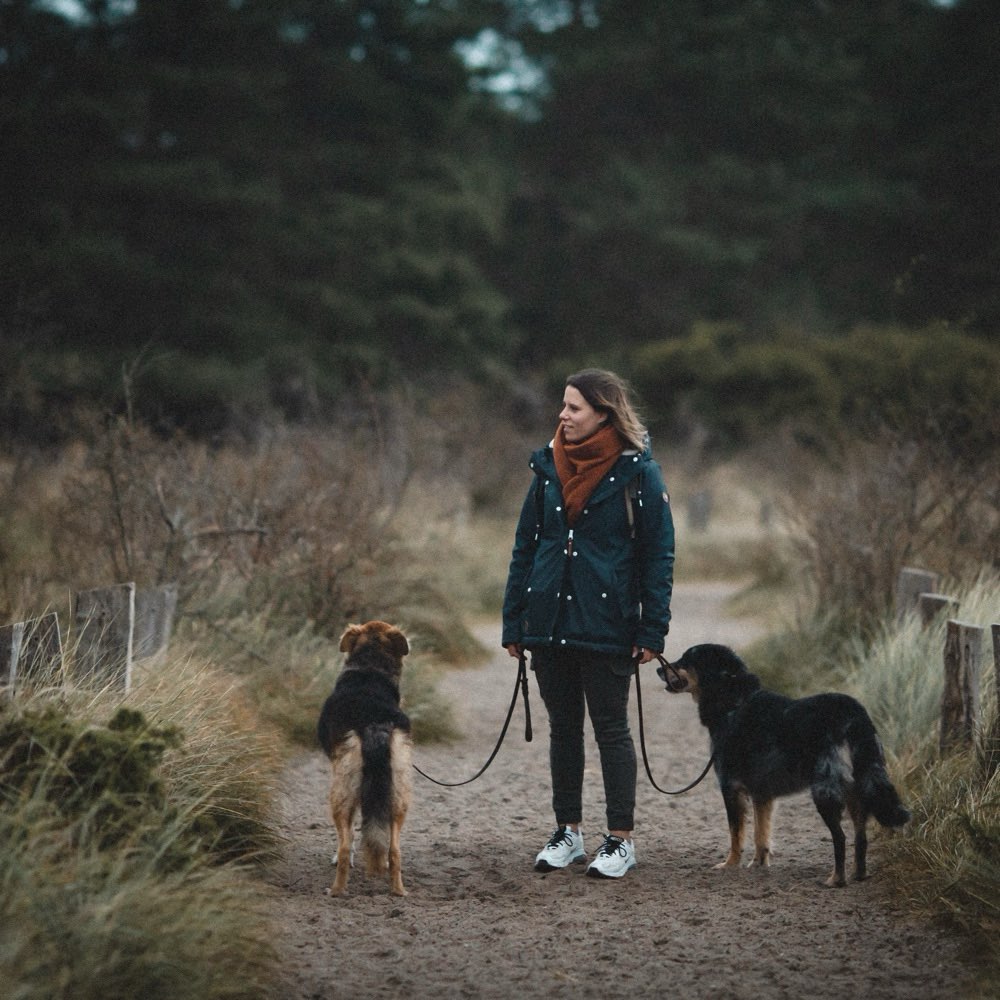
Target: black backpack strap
{"type": "Point", "coordinates": [633, 500]}
{"type": "Point", "coordinates": [539, 507]}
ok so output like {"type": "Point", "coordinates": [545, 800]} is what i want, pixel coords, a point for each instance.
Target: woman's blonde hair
{"type": "Point", "coordinates": [609, 393]}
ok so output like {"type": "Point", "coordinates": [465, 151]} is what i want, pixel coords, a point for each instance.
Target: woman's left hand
{"type": "Point", "coordinates": [642, 655]}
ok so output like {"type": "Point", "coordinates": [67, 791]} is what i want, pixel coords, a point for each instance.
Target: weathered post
{"type": "Point", "coordinates": [993, 743]}
{"type": "Point", "coordinates": [699, 510]}
{"type": "Point", "coordinates": [932, 606]}
{"type": "Point", "coordinates": [30, 649]}
{"type": "Point", "coordinates": [154, 620]}
{"type": "Point", "coordinates": [105, 620]}
{"type": "Point", "coordinates": [10, 650]}
{"type": "Point", "coordinates": [910, 584]}
{"type": "Point", "coordinates": [960, 699]}
{"type": "Point", "coordinates": [995, 628]}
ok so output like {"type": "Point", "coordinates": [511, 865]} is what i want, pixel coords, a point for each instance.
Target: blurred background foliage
{"type": "Point", "coordinates": [255, 207]}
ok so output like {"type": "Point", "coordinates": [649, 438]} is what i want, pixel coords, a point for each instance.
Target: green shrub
{"type": "Point", "coordinates": [117, 876]}
{"type": "Point", "coordinates": [103, 781]}
{"type": "Point", "coordinates": [743, 385]}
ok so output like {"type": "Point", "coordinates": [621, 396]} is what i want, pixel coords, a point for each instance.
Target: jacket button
{"type": "Point", "coordinates": [605, 596]}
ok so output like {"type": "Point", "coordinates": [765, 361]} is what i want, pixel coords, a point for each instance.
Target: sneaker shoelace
{"type": "Point", "coordinates": [562, 836]}
{"type": "Point", "coordinates": [613, 845]}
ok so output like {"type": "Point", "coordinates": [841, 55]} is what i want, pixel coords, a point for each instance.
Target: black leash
{"type": "Point", "coordinates": [520, 687]}
{"type": "Point", "coordinates": [642, 738]}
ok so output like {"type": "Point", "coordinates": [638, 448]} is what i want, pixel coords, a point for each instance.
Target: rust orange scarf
{"type": "Point", "coordinates": [581, 466]}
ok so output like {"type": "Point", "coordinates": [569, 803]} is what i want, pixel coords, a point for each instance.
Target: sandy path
{"type": "Point", "coordinates": [479, 922]}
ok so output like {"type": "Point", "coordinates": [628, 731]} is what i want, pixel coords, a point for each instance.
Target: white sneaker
{"type": "Point", "coordinates": [615, 857]}
{"type": "Point", "coordinates": [564, 847]}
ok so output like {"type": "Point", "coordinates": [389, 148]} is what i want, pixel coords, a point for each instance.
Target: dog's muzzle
{"type": "Point", "coordinates": [667, 673]}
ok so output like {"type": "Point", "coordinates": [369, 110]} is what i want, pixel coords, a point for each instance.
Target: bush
{"type": "Point", "coordinates": [124, 871]}
{"type": "Point", "coordinates": [744, 386]}
{"type": "Point", "coordinates": [102, 781]}
{"type": "Point", "coordinates": [302, 526]}
{"type": "Point", "coordinates": [884, 504]}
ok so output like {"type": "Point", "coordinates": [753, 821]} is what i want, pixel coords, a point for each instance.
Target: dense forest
{"type": "Point", "coordinates": [219, 207]}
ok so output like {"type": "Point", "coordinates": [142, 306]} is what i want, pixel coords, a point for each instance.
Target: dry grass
{"type": "Point", "coordinates": [164, 902]}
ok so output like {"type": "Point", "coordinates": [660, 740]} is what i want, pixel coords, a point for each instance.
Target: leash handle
{"type": "Point", "coordinates": [520, 686]}
{"type": "Point", "coordinates": [642, 739]}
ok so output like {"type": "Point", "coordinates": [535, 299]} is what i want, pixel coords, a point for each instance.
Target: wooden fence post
{"type": "Point", "coordinates": [105, 619]}
{"type": "Point", "coordinates": [993, 740]}
{"type": "Point", "coordinates": [995, 628]}
{"type": "Point", "coordinates": [154, 620]}
{"type": "Point", "coordinates": [10, 651]}
{"type": "Point", "coordinates": [932, 606]}
{"type": "Point", "coordinates": [960, 699]}
{"type": "Point", "coordinates": [30, 649]}
{"type": "Point", "coordinates": [910, 584]}
{"type": "Point", "coordinates": [699, 510]}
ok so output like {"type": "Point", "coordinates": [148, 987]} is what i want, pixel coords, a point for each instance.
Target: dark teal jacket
{"type": "Point", "coordinates": [595, 586]}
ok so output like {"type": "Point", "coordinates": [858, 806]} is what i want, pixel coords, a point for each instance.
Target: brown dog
{"type": "Point", "coordinates": [367, 738]}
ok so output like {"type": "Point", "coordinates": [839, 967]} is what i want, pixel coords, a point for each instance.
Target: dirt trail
{"type": "Point", "coordinates": [480, 922]}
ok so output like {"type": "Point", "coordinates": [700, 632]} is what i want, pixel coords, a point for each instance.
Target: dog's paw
{"type": "Point", "coordinates": [835, 881]}
{"type": "Point", "coordinates": [728, 864]}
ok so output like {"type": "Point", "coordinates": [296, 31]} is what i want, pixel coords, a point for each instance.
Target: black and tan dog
{"type": "Point", "coordinates": [766, 746]}
{"type": "Point", "coordinates": [366, 735]}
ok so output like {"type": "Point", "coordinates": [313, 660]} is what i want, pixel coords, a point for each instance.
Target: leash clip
{"type": "Point", "coordinates": [662, 670]}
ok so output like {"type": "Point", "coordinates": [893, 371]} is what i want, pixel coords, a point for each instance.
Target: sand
{"type": "Point", "coordinates": [480, 922]}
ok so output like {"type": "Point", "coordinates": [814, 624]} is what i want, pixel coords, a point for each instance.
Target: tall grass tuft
{"type": "Point", "coordinates": [948, 861]}
{"type": "Point", "coordinates": [221, 777]}
{"type": "Point", "coordinates": [76, 925]}
{"type": "Point", "coordinates": [899, 674]}
{"type": "Point", "coordinates": [131, 830]}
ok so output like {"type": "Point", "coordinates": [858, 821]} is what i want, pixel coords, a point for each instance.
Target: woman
{"type": "Point", "coordinates": [588, 593]}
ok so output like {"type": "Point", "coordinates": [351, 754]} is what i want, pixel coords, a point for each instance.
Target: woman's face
{"type": "Point", "coordinates": [578, 418]}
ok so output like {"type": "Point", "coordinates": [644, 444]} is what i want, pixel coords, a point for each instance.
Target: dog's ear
{"type": "Point", "coordinates": [749, 683]}
{"type": "Point", "coordinates": [350, 638]}
{"type": "Point", "coordinates": [397, 642]}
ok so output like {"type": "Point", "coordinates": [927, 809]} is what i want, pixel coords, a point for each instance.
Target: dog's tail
{"type": "Point", "coordinates": [876, 791]}
{"type": "Point", "coordinates": [377, 795]}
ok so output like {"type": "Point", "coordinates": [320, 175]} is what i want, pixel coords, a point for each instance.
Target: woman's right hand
{"type": "Point", "coordinates": [515, 649]}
